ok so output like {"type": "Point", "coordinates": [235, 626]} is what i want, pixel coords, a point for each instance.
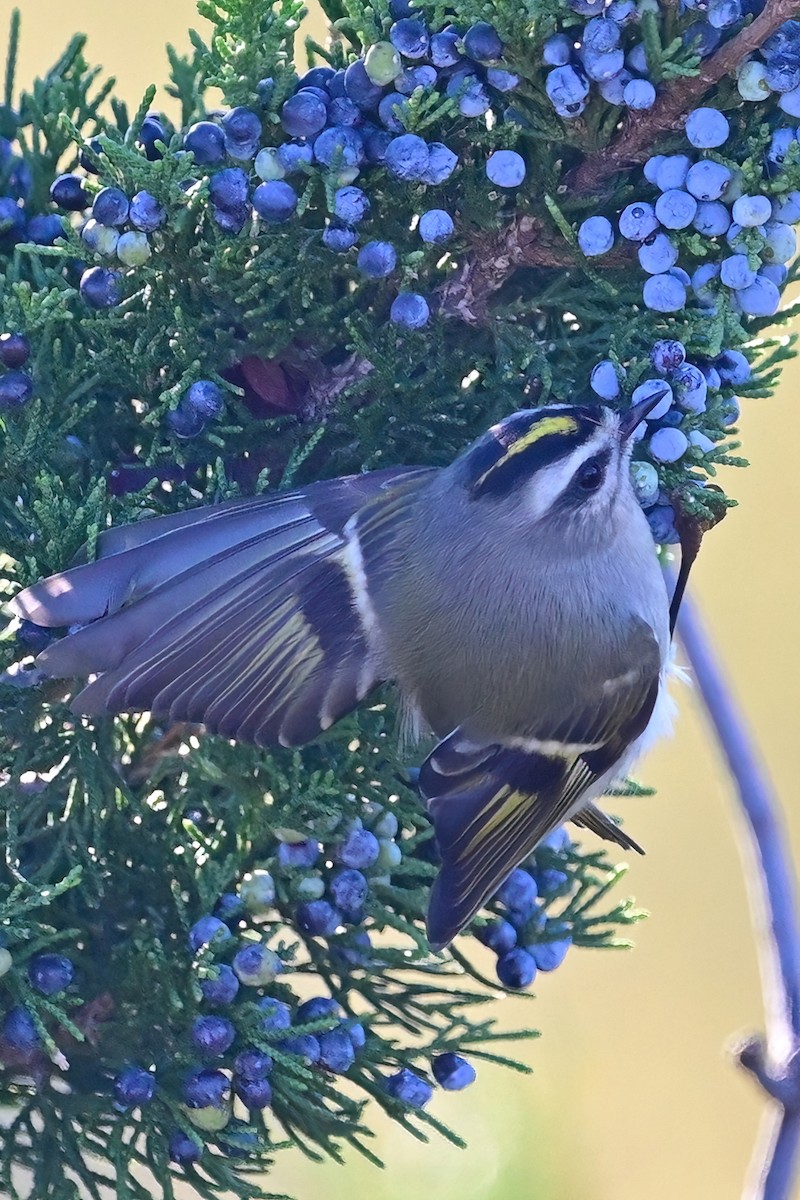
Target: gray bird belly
{"type": "Point", "coordinates": [497, 667]}
{"type": "Point", "coordinates": [511, 652]}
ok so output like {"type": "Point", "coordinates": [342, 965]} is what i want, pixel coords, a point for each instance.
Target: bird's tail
{"type": "Point", "coordinates": [490, 807]}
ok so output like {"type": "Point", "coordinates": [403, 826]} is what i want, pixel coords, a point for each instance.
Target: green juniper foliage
{"type": "Point", "coordinates": [315, 283]}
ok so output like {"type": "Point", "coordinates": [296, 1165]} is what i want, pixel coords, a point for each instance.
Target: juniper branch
{"type": "Point", "coordinates": [527, 242]}
{"type": "Point", "coordinates": [465, 296]}
{"type": "Point", "coordinates": [635, 141]}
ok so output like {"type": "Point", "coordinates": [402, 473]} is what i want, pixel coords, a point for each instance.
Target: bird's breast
{"type": "Point", "coordinates": [489, 638]}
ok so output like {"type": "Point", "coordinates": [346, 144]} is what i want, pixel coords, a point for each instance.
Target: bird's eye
{"type": "Point", "coordinates": [590, 475]}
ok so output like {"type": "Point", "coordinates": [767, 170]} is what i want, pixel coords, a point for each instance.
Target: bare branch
{"type": "Point", "coordinates": [773, 905]}
{"type": "Point", "coordinates": [492, 261]}
{"type": "Point", "coordinates": [325, 391]}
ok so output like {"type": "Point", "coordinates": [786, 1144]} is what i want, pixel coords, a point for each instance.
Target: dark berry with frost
{"type": "Point", "coordinates": [408, 1087]}
{"type": "Point", "coordinates": [208, 930]}
{"type": "Point", "coordinates": [360, 849]}
{"type": "Point", "coordinates": [222, 988]}
{"type": "Point", "coordinates": [16, 389]}
{"type": "Point", "coordinates": [376, 260]}
{"type": "Point", "coordinates": [205, 1088]}
{"type": "Point", "coordinates": [147, 213]}
{"type": "Point", "coordinates": [206, 141]}
{"type": "Point", "coordinates": [516, 969]}
{"type": "Point", "coordinates": [252, 1063]}
{"type": "Point", "coordinates": [275, 1014]}
{"type": "Point", "coordinates": [184, 1149]}
{"type": "Point", "coordinates": [100, 287]}
{"type": "Point", "coordinates": [15, 349]}
{"type": "Point", "coordinates": [67, 191]}
{"type": "Point", "coordinates": [303, 1045]}
{"type": "Point", "coordinates": [134, 1086]}
{"type": "Point", "coordinates": [255, 1093]}
{"type": "Point", "coordinates": [212, 1035]}
{"type": "Point", "coordinates": [19, 1030]}
{"type": "Point", "coordinates": [33, 637]}
{"type": "Point", "coordinates": [452, 1072]}
{"type": "Point", "coordinates": [298, 855]}
{"type": "Point", "coordinates": [111, 206]}
{"type": "Point", "coordinates": [50, 973]}
{"type": "Point", "coordinates": [317, 1007]}
{"type": "Point", "coordinates": [275, 201]}
{"type": "Point", "coordinates": [152, 130]}
{"type": "Point", "coordinates": [241, 129]}
{"type": "Point", "coordinates": [318, 918]}
{"type": "Point", "coordinates": [336, 1050]}
{"type": "Point", "coordinates": [349, 889]}
{"type": "Point", "coordinates": [499, 936]}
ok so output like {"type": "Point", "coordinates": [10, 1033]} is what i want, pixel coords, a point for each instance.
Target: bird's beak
{"type": "Point", "coordinates": [634, 416]}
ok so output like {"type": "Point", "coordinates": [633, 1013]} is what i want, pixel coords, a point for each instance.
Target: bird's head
{"type": "Point", "coordinates": [566, 465]}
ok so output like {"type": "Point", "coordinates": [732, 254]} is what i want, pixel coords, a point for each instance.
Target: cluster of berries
{"type": "Point", "coordinates": [748, 236]}
{"type": "Point", "coordinates": [681, 427]}
{"type": "Point", "coordinates": [609, 51]}
{"type": "Point", "coordinates": [775, 69]}
{"type": "Point", "coordinates": [16, 384]}
{"type": "Point", "coordinates": [525, 939]}
{"type": "Point", "coordinates": [250, 1026]}
{"type": "Point", "coordinates": [338, 124]}
{"type": "Point", "coordinates": [48, 975]}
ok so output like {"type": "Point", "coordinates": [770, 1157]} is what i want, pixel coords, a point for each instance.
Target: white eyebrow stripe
{"type": "Point", "coordinates": [544, 488]}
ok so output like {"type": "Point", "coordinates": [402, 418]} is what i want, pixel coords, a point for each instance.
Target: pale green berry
{"type": "Point", "coordinates": [382, 63]}
{"type": "Point", "coordinates": [210, 1119]}
{"type": "Point", "coordinates": [752, 81]}
{"type": "Point", "coordinates": [390, 855]}
{"type": "Point", "coordinates": [105, 240]}
{"type": "Point", "coordinates": [267, 165]}
{"type": "Point", "coordinates": [644, 478]}
{"type": "Point", "coordinates": [257, 892]}
{"type": "Point", "coordinates": [310, 887]}
{"type": "Point", "coordinates": [269, 965]}
{"type": "Point", "coordinates": [387, 826]}
{"type": "Point", "coordinates": [736, 187]}
{"type": "Point", "coordinates": [344, 176]}
{"type": "Point", "coordinates": [133, 248]}
{"type": "Point", "coordinates": [6, 961]}
{"type": "Point", "coordinates": [285, 833]}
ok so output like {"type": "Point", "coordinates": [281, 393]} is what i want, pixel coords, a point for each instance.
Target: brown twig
{"type": "Point", "coordinates": [524, 242]}
{"type": "Point", "coordinates": [325, 390]}
{"type": "Point", "coordinates": [162, 745]}
{"type": "Point", "coordinates": [466, 294]}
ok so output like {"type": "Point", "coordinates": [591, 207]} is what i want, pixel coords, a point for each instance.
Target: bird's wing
{"type": "Point", "coordinates": [492, 804]}
{"type": "Point", "coordinates": [243, 616]}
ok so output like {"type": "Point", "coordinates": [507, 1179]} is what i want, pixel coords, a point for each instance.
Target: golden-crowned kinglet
{"type": "Point", "coordinates": [515, 597]}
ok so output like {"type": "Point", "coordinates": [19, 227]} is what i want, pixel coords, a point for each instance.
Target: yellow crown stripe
{"type": "Point", "coordinates": [544, 428]}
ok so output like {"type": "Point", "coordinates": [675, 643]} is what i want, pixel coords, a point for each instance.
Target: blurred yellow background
{"type": "Point", "coordinates": [634, 1095]}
